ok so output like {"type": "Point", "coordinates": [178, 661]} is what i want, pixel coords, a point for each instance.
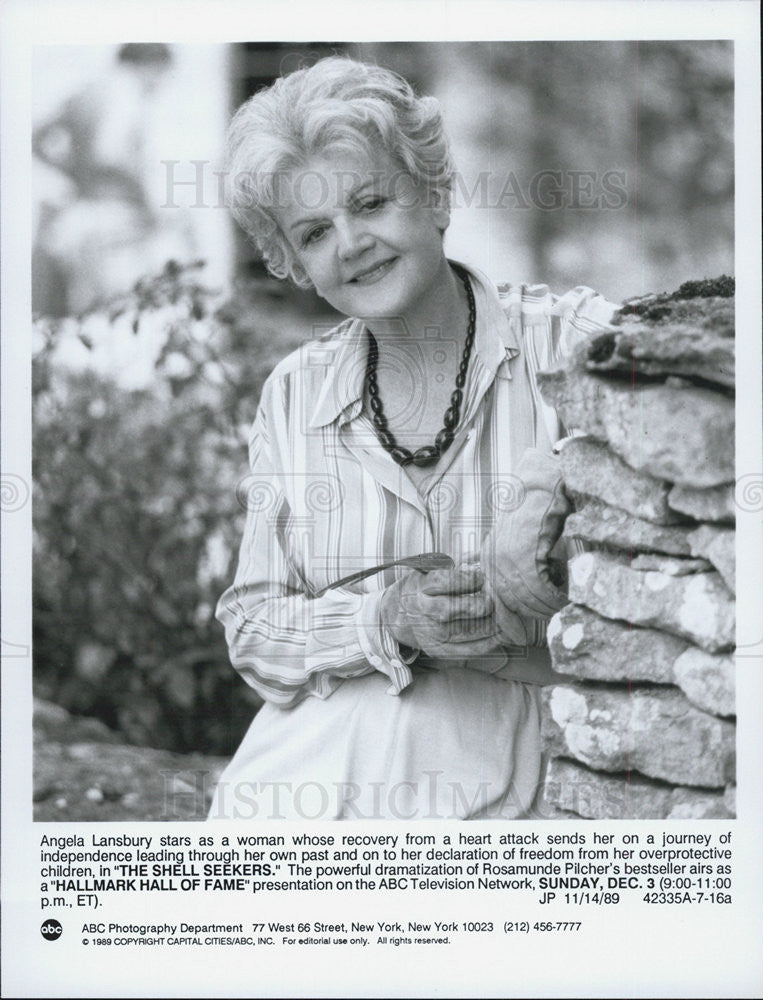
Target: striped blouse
{"type": "Point", "coordinates": [324, 499]}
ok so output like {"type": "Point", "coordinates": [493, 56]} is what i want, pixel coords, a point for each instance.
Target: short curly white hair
{"type": "Point", "coordinates": [338, 103]}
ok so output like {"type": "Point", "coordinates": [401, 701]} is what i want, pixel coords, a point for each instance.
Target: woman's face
{"type": "Point", "coordinates": [364, 232]}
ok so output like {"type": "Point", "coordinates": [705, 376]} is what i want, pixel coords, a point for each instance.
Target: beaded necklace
{"type": "Point", "coordinates": [428, 454]}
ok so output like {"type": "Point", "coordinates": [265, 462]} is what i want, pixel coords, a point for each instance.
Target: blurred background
{"type": "Point", "coordinates": [608, 164]}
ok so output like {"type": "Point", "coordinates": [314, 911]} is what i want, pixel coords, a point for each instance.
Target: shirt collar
{"type": "Point", "coordinates": [495, 345]}
{"type": "Point", "coordinates": [496, 337]}
{"type": "Point", "coordinates": [342, 389]}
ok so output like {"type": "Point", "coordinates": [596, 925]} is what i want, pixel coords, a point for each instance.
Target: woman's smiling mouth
{"type": "Point", "coordinates": [369, 275]}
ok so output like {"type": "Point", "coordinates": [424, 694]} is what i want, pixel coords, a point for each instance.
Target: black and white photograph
{"type": "Point", "coordinates": [389, 454]}
{"type": "Point", "coordinates": [480, 562]}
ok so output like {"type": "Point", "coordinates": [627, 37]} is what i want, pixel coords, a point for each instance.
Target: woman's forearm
{"type": "Point", "coordinates": [289, 647]}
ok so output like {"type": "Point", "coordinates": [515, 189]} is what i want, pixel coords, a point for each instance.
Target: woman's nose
{"type": "Point", "coordinates": [352, 238]}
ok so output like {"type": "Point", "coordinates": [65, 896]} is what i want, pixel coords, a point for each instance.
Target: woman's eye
{"type": "Point", "coordinates": [313, 235]}
{"type": "Point", "coordinates": [371, 204]}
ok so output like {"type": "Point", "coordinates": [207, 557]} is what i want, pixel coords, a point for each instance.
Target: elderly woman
{"type": "Point", "coordinates": [409, 442]}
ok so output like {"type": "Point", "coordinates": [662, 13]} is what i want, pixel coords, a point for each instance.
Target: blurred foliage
{"type": "Point", "coordinates": [647, 127]}
{"type": "Point", "coordinates": [136, 522]}
{"type": "Point", "coordinates": [654, 118]}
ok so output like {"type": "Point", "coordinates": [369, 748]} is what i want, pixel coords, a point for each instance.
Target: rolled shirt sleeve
{"type": "Point", "coordinates": [284, 643]}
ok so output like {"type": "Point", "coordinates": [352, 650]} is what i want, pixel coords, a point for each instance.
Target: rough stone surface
{"type": "Point", "coordinates": [577, 789]}
{"type": "Point", "coordinates": [707, 680]}
{"type": "Point", "coordinates": [82, 772]}
{"type": "Point", "coordinates": [681, 435]}
{"type": "Point", "coordinates": [714, 504]}
{"type": "Point", "coordinates": [730, 798]}
{"type": "Point", "coordinates": [670, 565]}
{"type": "Point", "coordinates": [655, 731]}
{"type": "Point", "coordinates": [672, 348]}
{"type": "Point", "coordinates": [717, 545]}
{"type": "Point", "coordinates": [585, 645]}
{"type": "Point", "coordinates": [689, 804]}
{"type": "Point", "coordinates": [702, 301]}
{"type": "Point", "coordinates": [643, 726]}
{"type": "Point", "coordinates": [698, 607]}
{"type": "Point", "coordinates": [590, 468]}
{"type": "Point", "coordinates": [605, 525]}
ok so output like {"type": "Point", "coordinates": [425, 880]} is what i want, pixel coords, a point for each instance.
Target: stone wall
{"type": "Point", "coordinates": [644, 725]}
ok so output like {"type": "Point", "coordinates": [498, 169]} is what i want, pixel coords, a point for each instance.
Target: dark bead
{"type": "Point", "coordinates": [451, 417]}
{"type": "Point", "coordinates": [425, 456]}
{"type": "Point", "coordinates": [430, 453]}
{"type": "Point", "coordinates": [401, 455]}
{"type": "Point", "coordinates": [444, 439]}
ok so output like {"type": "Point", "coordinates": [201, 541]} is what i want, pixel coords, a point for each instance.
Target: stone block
{"type": "Point", "coordinates": [670, 565]}
{"type": "Point", "coordinates": [585, 645]}
{"type": "Point", "coordinates": [678, 347]}
{"type": "Point", "coordinates": [698, 606]}
{"type": "Point", "coordinates": [686, 803]}
{"type": "Point", "coordinates": [719, 546]}
{"type": "Point", "coordinates": [714, 504]}
{"type": "Point", "coordinates": [596, 795]}
{"type": "Point", "coordinates": [707, 680]}
{"type": "Point", "coordinates": [730, 799]}
{"type": "Point", "coordinates": [684, 435]}
{"type": "Point", "coordinates": [577, 789]}
{"type": "Point", "coordinates": [590, 468]}
{"type": "Point", "coordinates": [655, 731]}
{"type": "Point", "coordinates": [605, 525]}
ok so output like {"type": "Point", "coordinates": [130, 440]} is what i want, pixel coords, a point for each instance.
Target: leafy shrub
{"type": "Point", "coordinates": [136, 522]}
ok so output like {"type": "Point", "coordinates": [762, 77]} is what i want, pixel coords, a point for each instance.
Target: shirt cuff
{"type": "Point", "coordinates": [380, 647]}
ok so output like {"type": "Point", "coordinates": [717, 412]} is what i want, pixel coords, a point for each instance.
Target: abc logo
{"type": "Point", "coordinates": [51, 930]}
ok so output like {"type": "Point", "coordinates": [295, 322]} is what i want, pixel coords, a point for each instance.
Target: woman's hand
{"type": "Point", "coordinates": [446, 614]}
{"type": "Point", "coordinates": [516, 555]}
